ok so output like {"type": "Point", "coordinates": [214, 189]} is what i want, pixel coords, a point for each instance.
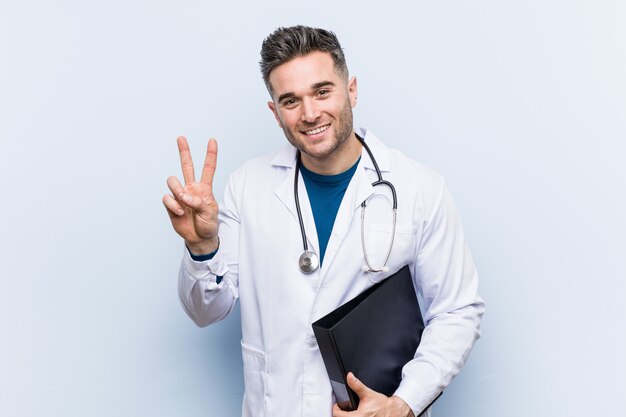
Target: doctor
{"type": "Point", "coordinates": [249, 246]}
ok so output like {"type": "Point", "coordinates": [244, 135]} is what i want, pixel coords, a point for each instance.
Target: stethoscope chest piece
{"type": "Point", "coordinates": [308, 262]}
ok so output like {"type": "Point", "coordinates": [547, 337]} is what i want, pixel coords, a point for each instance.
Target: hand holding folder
{"type": "Point", "coordinates": [372, 402]}
{"type": "Point", "coordinates": [373, 336]}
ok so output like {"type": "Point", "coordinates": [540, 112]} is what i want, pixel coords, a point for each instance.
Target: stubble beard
{"type": "Point", "coordinates": [343, 126]}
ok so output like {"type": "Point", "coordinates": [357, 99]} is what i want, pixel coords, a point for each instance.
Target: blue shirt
{"type": "Point", "coordinates": [325, 194]}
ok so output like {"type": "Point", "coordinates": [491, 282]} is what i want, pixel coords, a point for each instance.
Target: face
{"type": "Point", "coordinates": [313, 104]}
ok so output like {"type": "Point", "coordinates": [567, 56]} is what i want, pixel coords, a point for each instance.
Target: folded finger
{"type": "Point", "coordinates": [172, 206]}
{"type": "Point", "coordinates": [175, 187]}
{"type": "Point", "coordinates": [338, 412]}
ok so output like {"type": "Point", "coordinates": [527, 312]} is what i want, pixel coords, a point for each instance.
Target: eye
{"type": "Point", "coordinates": [290, 102]}
{"type": "Point", "coordinates": [323, 92]}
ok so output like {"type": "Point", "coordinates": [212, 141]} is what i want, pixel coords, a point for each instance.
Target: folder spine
{"type": "Point", "coordinates": [352, 402]}
{"type": "Point", "coordinates": [346, 398]}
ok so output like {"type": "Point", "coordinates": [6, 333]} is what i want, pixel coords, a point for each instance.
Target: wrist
{"type": "Point", "coordinates": [204, 247]}
{"type": "Point", "coordinates": [402, 407]}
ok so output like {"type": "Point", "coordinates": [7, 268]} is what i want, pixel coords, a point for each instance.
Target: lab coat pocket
{"type": "Point", "coordinates": [255, 380]}
{"type": "Point", "coordinates": [378, 239]}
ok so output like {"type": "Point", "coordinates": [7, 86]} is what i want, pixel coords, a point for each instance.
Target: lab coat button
{"type": "Point", "coordinates": [312, 342]}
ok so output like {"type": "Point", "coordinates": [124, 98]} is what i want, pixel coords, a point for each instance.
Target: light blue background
{"type": "Point", "coordinates": [520, 105]}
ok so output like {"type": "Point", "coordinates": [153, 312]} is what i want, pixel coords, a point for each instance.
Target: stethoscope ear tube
{"type": "Point", "coordinates": [369, 267]}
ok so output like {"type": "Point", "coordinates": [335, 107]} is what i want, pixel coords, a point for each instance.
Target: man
{"type": "Point", "coordinates": [249, 247]}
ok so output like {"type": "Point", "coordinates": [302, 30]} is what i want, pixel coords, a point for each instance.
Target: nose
{"type": "Point", "coordinates": [310, 112]}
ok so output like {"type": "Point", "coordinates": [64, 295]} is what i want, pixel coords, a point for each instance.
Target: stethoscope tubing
{"type": "Point", "coordinates": [309, 260]}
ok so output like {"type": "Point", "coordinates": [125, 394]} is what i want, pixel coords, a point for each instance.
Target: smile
{"type": "Point", "coordinates": [317, 130]}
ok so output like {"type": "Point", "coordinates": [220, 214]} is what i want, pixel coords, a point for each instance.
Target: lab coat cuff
{"type": "Point", "coordinates": [212, 270]}
{"type": "Point", "coordinates": [418, 398]}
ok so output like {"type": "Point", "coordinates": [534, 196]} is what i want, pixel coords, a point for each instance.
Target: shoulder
{"type": "Point", "coordinates": [265, 167]}
{"type": "Point", "coordinates": [403, 165]}
{"type": "Point", "coordinates": [420, 188]}
{"type": "Point", "coordinates": [405, 173]}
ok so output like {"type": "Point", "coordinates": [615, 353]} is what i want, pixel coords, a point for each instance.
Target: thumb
{"type": "Point", "coordinates": [357, 386]}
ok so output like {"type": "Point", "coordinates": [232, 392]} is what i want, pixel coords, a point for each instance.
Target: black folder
{"type": "Point", "coordinates": [373, 336]}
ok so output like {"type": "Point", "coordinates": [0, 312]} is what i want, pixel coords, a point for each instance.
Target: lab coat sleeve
{"type": "Point", "coordinates": [204, 299]}
{"type": "Point", "coordinates": [447, 280]}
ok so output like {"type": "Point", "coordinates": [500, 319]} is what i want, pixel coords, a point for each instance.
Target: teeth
{"type": "Point", "coordinates": [316, 131]}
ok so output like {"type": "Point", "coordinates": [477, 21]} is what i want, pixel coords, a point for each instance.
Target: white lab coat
{"type": "Point", "coordinates": [260, 243]}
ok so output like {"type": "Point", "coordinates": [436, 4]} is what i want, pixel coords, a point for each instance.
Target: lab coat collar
{"type": "Point", "coordinates": [380, 151]}
{"type": "Point", "coordinates": [286, 158]}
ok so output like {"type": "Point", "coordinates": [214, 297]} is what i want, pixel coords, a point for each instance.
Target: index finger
{"type": "Point", "coordinates": [210, 163]}
{"type": "Point", "coordinates": [186, 162]}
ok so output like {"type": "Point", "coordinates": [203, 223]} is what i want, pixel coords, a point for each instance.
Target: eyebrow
{"type": "Point", "coordinates": [284, 96]}
{"type": "Point", "coordinates": [322, 84]}
{"type": "Point", "coordinates": [313, 87]}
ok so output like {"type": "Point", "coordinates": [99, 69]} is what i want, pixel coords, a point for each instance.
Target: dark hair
{"type": "Point", "coordinates": [285, 44]}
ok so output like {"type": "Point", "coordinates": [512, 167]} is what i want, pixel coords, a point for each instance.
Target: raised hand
{"type": "Point", "coordinates": [193, 208]}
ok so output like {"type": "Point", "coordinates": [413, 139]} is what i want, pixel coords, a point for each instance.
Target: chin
{"type": "Point", "coordinates": [319, 151]}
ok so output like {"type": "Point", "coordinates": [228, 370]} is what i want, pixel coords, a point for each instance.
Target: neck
{"type": "Point", "coordinates": [340, 160]}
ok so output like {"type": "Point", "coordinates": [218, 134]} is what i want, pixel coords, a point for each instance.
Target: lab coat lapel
{"type": "Point", "coordinates": [285, 193]}
{"type": "Point", "coordinates": [359, 189]}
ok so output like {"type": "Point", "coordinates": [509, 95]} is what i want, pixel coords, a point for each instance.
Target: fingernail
{"type": "Point", "coordinates": [181, 212]}
{"type": "Point", "coordinates": [186, 198]}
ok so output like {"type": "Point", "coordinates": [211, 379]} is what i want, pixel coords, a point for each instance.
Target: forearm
{"type": "Point", "coordinates": [444, 348]}
{"type": "Point", "coordinates": [447, 280]}
{"type": "Point", "coordinates": [206, 290]}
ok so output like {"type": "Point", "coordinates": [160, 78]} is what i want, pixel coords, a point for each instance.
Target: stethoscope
{"type": "Point", "coordinates": [309, 261]}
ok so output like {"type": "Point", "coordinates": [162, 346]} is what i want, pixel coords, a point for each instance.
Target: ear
{"type": "Point", "coordinates": [272, 107]}
{"type": "Point", "coordinates": [352, 91]}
